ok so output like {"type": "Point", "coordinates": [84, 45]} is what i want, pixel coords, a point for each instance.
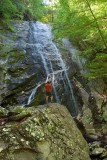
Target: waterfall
{"type": "Point", "coordinates": [32, 95]}
{"type": "Point", "coordinates": [45, 51]}
{"type": "Point", "coordinates": [80, 61]}
{"type": "Point", "coordinates": [53, 79]}
{"type": "Point", "coordinates": [67, 78]}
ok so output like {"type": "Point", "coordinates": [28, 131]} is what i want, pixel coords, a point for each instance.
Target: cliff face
{"type": "Point", "coordinates": [18, 73]}
{"type": "Point", "coordinates": [28, 55]}
{"type": "Point", "coordinates": [49, 133]}
{"type": "Point", "coordinates": [24, 59]}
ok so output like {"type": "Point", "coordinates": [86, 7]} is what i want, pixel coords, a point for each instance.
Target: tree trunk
{"type": "Point", "coordinates": [97, 25]}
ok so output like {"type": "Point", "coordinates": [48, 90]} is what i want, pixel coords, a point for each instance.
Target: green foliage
{"type": "Point", "coordinates": [7, 8]}
{"type": "Point", "coordinates": [37, 7]}
{"type": "Point", "coordinates": [20, 9]}
{"type": "Point", "coordinates": [84, 23]}
{"type": "Point", "coordinates": [98, 66]}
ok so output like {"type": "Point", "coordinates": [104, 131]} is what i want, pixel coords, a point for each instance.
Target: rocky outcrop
{"type": "Point", "coordinates": [13, 62]}
{"type": "Point", "coordinates": [18, 71]}
{"type": "Point", "coordinates": [99, 90]}
{"type": "Point", "coordinates": [93, 121]}
{"type": "Point", "coordinates": [28, 55]}
{"type": "Point", "coordinates": [82, 85]}
{"type": "Point", "coordinates": [91, 97]}
{"type": "Point", "coordinates": [49, 133]}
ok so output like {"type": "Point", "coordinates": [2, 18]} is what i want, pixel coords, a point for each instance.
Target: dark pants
{"type": "Point", "coordinates": [48, 97]}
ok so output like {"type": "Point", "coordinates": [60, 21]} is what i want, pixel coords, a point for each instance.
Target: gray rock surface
{"type": "Point", "coordinates": [49, 134]}
{"type": "Point", "coordinates": [17, 68]}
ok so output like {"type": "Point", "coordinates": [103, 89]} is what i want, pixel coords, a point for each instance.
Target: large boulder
{"type": "Point", "coordinates": [50, 133]}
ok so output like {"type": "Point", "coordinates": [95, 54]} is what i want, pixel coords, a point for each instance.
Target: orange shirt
{"type": "Point", "coordinates": [48, 87]}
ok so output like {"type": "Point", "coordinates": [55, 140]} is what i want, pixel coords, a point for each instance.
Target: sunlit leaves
{"type": "Point", "coordinates": [98, 66]}
{"type": "Point", "coordinates": [16, 9]}
{"type": "Point", "coordinates": [7, 8]}
{"type": "Point", "coordinates": [84, 22]}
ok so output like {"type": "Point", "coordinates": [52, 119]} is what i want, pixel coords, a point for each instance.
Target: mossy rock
{"type": "Point", "coordinates": [16, 56]}
{"type": "Point", "coordinates": [3, 111]}
{"type": "Point", "coordinates": [49, 133]}
{"type": "Point", "coordinates": [16, 71]}
{"type": "Point", "coordinates": [105, 115]}
{"type": "Point", "coordinates": [7, 81]}
{"type": "Point", "coordinates": [39, 98]}
{"type": "Point", "coordinates": [22, 110]}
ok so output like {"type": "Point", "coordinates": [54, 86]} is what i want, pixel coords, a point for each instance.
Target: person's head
{"type": "Point", "coordinates": [48, 82]}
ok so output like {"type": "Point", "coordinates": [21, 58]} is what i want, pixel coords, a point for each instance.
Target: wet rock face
{"type": "Point", "coordinates": [28, 56]}
{"type": "Point", "coordinates": [13, 57]}
{"type": "Point", "coordinates": [50, 133]}
{"type": "Point", "coordinates": [18, 71]}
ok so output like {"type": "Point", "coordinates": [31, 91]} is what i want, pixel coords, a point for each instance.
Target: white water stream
{"type": "Point", "coordinates": [53, 64]}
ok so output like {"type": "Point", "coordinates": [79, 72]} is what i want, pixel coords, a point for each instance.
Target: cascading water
{"type": "Point", "coordinates": [69, 85]}
{"type": "Point", "coordinates": [31, 97]}
{"type": "Point", "coordinates": [46, 52]}
{"type": "Point", "coordinates": [80, 61]}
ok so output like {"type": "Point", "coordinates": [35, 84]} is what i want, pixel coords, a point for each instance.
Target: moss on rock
{"type": "Point", "coordinates": [50, 133]}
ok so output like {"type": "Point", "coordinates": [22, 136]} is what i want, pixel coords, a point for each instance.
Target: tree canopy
{"type": "Point", "coordinates": [21, 9]}
{"type": "Point", "coordinates": [84, 22]}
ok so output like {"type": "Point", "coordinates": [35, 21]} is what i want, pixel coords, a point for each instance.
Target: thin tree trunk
{"type": "Point", "coordinates": [101, 35]}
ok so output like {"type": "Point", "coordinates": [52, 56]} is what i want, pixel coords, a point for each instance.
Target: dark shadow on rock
{"type": "Point", "coordinates": [96, 116]}
{"type": "Point", "coordinates": [81, 127]}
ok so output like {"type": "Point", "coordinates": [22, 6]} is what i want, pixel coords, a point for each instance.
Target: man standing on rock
{"type": "Point", "coordinates": [48, 90]}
